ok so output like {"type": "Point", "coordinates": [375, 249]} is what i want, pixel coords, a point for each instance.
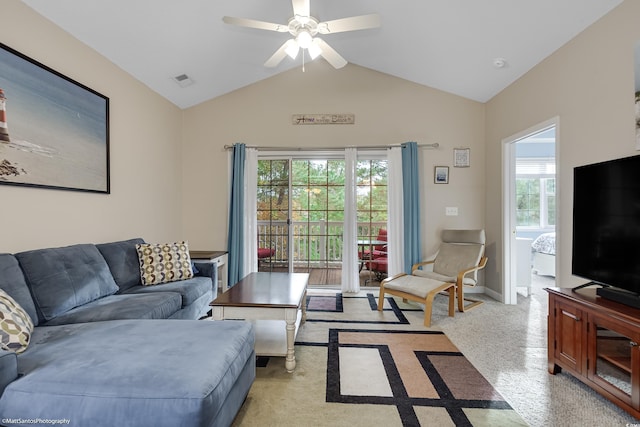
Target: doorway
{"type": "Point", "coordinates": [530, 210]}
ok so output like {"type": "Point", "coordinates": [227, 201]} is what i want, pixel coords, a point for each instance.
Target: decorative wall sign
{"type": "Point", "coordinates": [441, 175]}
{"type": "Point", "coordinates": [461, 157]}
{"type": "Point", "coordinates": [54, 131]}
{"type": "Point", "coordinates": [323, 119]}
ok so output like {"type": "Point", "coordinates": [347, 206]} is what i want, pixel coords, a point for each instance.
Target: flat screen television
{"type": "Point", "coordinates": [606, 227]}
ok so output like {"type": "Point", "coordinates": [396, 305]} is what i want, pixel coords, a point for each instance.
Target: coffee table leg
{"type": "Point", "coordinates": [304, 307]}
{"type": "Point", "coordinates": [290, 315]}
{"type": "Point", "coordinates": [217, 313]}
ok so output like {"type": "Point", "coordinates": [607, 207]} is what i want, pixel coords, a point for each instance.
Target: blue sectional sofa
{"type": "Point", "coordinates": [107, 351]}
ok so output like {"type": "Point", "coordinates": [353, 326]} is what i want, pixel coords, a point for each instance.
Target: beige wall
{"type": "Point", "coordinates": [388, 110]}
{"type": "Point", "coordinates": [589, 85]}
{"type": "Point", "coordinates": [146, 178]}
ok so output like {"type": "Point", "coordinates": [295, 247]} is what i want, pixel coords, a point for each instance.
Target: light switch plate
{"type": "Point", "coordinates": [451, 211]}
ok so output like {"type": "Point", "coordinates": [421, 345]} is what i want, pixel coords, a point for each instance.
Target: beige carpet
{"type": "Point", "coordinates": [359, 367]}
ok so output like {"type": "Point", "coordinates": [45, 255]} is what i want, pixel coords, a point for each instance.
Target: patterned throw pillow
{"type": "Point", "coordinates": [15, 325]}
{"type": "Point", "coordinates": [164, 263]}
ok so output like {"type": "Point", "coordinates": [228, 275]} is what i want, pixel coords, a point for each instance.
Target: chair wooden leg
{"type": "Point", "coordinates": [460, 293]}
{"type": "Point", "coordinates": [381, 298]}
{"type": "Point", "coordinates": [452, 298]}
{"type": "Point", "coordinates": [461, 299]}
{"type": "Point", "coordinates": [428, 304]}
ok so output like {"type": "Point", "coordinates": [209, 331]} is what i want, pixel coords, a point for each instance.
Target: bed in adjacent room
{"type": "Point", "coordinates": [544, 254]}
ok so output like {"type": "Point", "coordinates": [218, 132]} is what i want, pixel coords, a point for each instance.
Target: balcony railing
{"type": "Point", "coordinates": [318, 244]}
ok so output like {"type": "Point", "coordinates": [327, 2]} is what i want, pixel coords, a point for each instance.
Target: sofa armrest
{"type": "Point", "coordinates": [8, 368]}
{"type": "Point", "coordinates": [208, 269]}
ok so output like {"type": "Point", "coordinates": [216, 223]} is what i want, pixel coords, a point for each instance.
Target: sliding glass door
{"type": "Point", "coordinates": [301, 213]}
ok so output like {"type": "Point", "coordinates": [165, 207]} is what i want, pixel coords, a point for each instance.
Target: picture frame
{"type": "Point", "coordinates": [461, 157]}
{"type": "Point", "coordinates": [441, 174]}
{"type": "Point", "coordinates": [54, 131]}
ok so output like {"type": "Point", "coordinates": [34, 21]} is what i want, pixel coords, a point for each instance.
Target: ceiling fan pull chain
{"type": "Point", "coordinates": [303, 59]}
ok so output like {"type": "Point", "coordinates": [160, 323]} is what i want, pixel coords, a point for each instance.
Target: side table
{"type": "Point", "coordinates": [219, 257]}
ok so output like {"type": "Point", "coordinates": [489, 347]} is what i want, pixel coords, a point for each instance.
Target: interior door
{"type": "Point", "coordinates": [513, 264]}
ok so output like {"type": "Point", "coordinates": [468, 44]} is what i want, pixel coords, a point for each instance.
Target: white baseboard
{"type": "Point", "coordinates": [493, 294]}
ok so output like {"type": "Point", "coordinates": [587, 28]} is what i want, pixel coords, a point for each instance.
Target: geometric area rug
{"type": "Point", "coordinates": [421, 373]}
{"type": "Point", "coordinates": [357, 366]}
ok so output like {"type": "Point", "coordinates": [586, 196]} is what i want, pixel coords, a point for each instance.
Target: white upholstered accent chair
{"type": "Point", "coordinates": [456, 265]}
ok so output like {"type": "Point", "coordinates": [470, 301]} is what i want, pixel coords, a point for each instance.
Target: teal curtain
{"type": "Point", "coordinates": [235, 240]}
{"type": "Point", "coordinates": [411, 205]}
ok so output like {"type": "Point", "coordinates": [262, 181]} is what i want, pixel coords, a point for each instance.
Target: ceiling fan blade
{"type": "Point", "coordinates": [252, 23]}
{"type": "Point", "coordinates": [301, 7]}
{"type": "Point", "coordinates": [353, 23]}
{"type": "Point", "coordinates": [330, 54]}
{"type": "Point", "coordinates": [279, 55]}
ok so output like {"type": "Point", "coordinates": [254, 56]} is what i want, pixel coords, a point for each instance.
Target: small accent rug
{"type": "Point", "coordinates": [360, 367]}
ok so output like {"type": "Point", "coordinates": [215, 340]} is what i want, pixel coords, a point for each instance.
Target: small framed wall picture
{"type": "Point", "coordinates": [441, 175]}
{"type": "Point", "coordinates": [461, 157]}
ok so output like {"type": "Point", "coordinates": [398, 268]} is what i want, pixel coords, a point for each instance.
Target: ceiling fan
{"type": "Point", "coordinates": [304, 28]}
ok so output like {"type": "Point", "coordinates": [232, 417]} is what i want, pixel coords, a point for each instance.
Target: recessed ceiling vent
{"type": "Point", "coordinates": [183, 80]}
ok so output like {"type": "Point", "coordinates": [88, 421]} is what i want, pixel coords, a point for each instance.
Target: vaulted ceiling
{"type": "Point", "coordinates": [451, 45]}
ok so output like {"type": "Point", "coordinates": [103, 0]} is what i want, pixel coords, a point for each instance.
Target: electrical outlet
{"type": "Point", "coordinates": [451, 211]}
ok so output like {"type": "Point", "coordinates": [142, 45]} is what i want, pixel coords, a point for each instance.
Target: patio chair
{"type": "Point", "coordinates": [264, 254]}
{"type": "Point", "coordinates": [375, 250]}
{"type": "Point", "coordinates": [378, 266]}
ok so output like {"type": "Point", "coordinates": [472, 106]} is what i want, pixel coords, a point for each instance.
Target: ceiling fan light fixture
{"type": "Point", "coordinates": [314, 50]}
{"type": "Point", "coordinates": [292, 49]}
{"type": "Point", "coordinates": [304, 39]}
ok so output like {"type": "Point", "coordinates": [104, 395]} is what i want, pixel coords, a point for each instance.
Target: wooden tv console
{"type": "Point", "coordinates": [596, 340]}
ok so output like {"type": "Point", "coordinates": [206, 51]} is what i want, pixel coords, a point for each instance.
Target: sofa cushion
{"type": "Point", "coordinates": [15, 325]}
{"type": "Point", "coordinates": [131, 372]}
{"type": "Point", "coordinates": [12, 282]}
{"type": "Point", "coordinates": [161, 305]}
{"type": "Point", "coordinates": [63, 278]}
{"type": "Point", "coordinates": [196, 310]}
{"type": "Point", "coordinates": [8, 369]}
{"type": "Point", "coordinates": [163, 263]}
{"type": "Point", "coordinates": [122, 259]}
{"type": "Point", "coordinates": [190, 289]}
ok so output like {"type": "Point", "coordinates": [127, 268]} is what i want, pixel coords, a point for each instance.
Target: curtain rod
{"type": "Point", "coordinates": [361, 147]}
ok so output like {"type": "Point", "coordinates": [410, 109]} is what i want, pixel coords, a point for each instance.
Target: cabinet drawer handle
{"type": "Point", "coordinates": [571, 315]}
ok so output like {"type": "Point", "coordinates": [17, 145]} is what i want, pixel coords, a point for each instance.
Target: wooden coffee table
{"type": "Point", "coordinates": [275, 303]}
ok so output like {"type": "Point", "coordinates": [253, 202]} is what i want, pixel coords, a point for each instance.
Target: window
{"type": "Point", "coordinates": [535, 185]}
{"type": "Point", "coordinates": [535, 202]}
{"type": "Point", "coordinates": [372, 178]}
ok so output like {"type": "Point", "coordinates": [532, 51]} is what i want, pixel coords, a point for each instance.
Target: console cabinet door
{"type": "Point", "coordinates": [568, 351]}
{"type": "Point", "coordinates": [614, 358]}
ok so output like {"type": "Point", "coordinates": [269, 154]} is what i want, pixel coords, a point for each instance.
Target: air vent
{"type": "Point", "coordinates": [183, 80]}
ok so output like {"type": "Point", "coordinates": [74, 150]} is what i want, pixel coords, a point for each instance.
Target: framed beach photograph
{"type": "Point", "coordinates": [441, 175]}
{"type": "Point", "coordinates": [54, 131]}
